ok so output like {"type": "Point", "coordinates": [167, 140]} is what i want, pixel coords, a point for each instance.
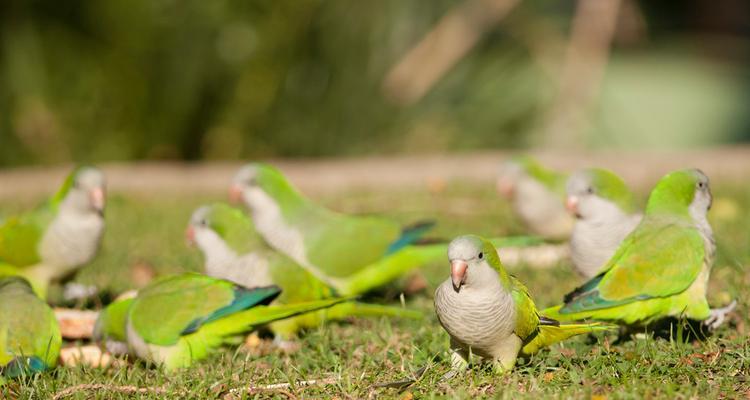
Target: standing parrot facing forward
{"type": "Point", "coordinates": [332, 246]}
{"type": "Point", "coordinates": [489, 313]}
{"type": "Point", "coordinates": [605, 211]}
{"type": "Point", "coordinates": [29, 335]}
{"type": "Point", "coordinates": [226, 236]}
{"type": "Point", "coordinates": [50, 242]}
{"type": "Point", "coordinates": [537, 196]}
{"type": "Point", "coordinates": [183, 318]}
{"type": "Point", "coordinates": [661, 269]}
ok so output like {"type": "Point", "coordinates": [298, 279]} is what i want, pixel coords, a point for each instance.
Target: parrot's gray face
{"type": "Point", "coordinates": [244, 180]}
{"type": "Point", "coordinates": [507, 180]}
{"type": "Point", "coordinates": [198, 226]}
{"type": "Point", "coordinates": [702, 199]}
{"type": "Point", "coordinates": [584, 202]}
{"type": "Point", "coordinates": [88, 192]}
{"type": "Point", "coordinates": [469, 268]}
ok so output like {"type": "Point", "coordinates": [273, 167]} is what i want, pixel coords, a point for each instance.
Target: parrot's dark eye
{"type": "Point", "coordinates": [480, 256]}
{"type": "Point", "coordinates": [203, 222]}
{"type": "Point", "coordinates": [590, 190]}
{"type": "Point", "coordinates": [701, 185]}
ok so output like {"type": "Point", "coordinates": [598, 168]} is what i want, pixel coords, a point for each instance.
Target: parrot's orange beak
{"type": "Point", "coordinates": [571, 203]}
{"type": "Point", "coordinates": [190, 235]}
{"type": "Point", "coordinates": [458, 273]}
{"type": "Point", "coordinates": [235, 193]}
{"type": "Point", "coordinates": [96, 197]}
{"type": "Point", "coordinates": [506, 188]}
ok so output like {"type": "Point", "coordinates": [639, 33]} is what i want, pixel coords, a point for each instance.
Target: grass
{"type": "Point", "coordinates": [146, 233]}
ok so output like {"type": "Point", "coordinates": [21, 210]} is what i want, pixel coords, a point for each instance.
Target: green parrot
{"type": "Point", "coordinates": [537, 196]}
{"type": "Point", "coordinates": [183, 318]}
{"type": "Point", "coordinates": [605, 211]}
{"type": "Point", "coordinates": [334, 247]}
{"type": "Point", "coordinates": [226, 237]}
{"type": "Point", "coordinates": [52, 241]}
{"type": "Point", "coordinates": [489, 313]}
{"type": "Point", "coordinates": [29, 335]}
{"type": "Point", "coordinates": [661, 269]}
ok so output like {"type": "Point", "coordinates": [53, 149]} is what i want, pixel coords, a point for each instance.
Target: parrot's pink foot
{"type": "Point", "coordinates": [719, 315]}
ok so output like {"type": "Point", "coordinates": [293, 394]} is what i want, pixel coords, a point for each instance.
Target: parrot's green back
{"type": "Point", "coordinates": [659, 270]}
{"type": "Point", "coordinates": [235, 228]}
{"type": "Point", "coordinates": [611, 187]}
{"type": "Point", "coordinates": [553, 181]}
{"type": "Point", "coordinates": [29, 334]}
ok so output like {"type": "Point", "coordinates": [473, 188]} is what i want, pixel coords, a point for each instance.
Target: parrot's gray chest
{"type": "Point", "coordinates": [476, 319]}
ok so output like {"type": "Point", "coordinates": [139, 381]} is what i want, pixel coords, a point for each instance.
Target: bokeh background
{"type": "Point", "coordinates": [120, 80]}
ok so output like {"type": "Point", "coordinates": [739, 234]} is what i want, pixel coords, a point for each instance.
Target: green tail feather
{"type": "Point", "coordinates": [261, 315]}
{"type": "Point", "coordinates": [355, 309]}
{"type": "Point", "coordinates": [551, 334]}
{"type": "Point", "coordinates": [390, 268]}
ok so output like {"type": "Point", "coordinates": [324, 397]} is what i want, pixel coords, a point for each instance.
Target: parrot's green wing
{"type": "Point", "coordinates": [341, 245]}
{"type": "Point", "coordinates": [527, 319]}
{"type": "Point", "coordinates": [29, 334]}
{"type": "Point", "coordinates": [180, 305]}
{"type": "Point", "coordinates": [657, 260]}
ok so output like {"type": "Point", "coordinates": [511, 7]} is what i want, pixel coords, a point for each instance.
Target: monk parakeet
{"type": "Point", "coordinates": [605, 211]}
{"type": "Point", "coordinates": [179, 319]}
{"type": "Point", "coordinates": [332, 246]}
{"type": "Point", "coordinates": [225, 235]}
{"type": "Point", "coordinates": [537, 196]}
{"type": "Point", "coordinates": [50, 242]}
{"type": "Point", "coordinates": [489, 313]}
{"type": "Point", "coordinates": [29, 335]}
{"type": "Point", "coordinates": [661, 269]}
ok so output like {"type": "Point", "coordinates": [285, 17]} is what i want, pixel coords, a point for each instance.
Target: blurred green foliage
{"type": "Point", "coordinates": [164, 79]}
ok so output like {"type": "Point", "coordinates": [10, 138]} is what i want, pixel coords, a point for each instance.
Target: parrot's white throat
{"type": "Point", "coordinates": [249, 270]}
{"type": "Point", "coordinates": [72, 238]}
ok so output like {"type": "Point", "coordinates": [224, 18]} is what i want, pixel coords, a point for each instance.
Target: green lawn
{"type": "Point", "coordinates": [148, 231]}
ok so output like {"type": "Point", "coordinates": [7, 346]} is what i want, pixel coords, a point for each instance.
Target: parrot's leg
{"type": "Point", "coordinates": [505, 354]}
{"type": "Point", "coordinates": [718, 315]}
{"type": "Point", "coordinates": [459, 360]}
